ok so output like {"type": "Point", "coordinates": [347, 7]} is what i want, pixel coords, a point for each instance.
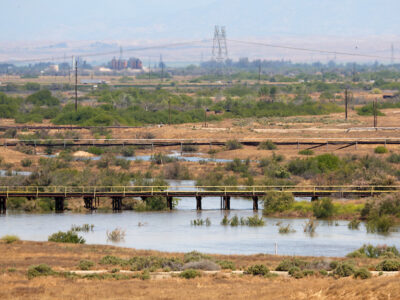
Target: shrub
{"type": "Point", "coordinates": [9, 239]}
{"type": "Point", "coordinates": [112, 260]}
{"type": "Point", "coordinates": [286, 229]}
{"type": "Point", "coordinates": [233, 145]}
{"type": "Point", "coordinates": [40, 270]}
{"type": "Point", "coordinates": [204, 264]}
{"type": "Point", "coordinates": [362, 273]}
{"type": "Point", "coordinates": [225, 221]}
{"type": "Point", "coordinates": [258, 270]}
{"type": "Point", "coordinates": [287, 264]}
{"type": "Point", "coordinates": [394, 158]}
{"type": "Point", "coordinates": [323, 208]}
{"type": "Point", "coordinates": [66, 237]}
{"type": "Point", "coordinates": [255, 221]}
{"type": "Point", "coordinates": [194, 256]}
{"type": "Point", "coordinates": [226, 264]}
{"type": "Point", "coordinates": [190, 274]}
{"type": "Point", "coordinates": [123, 163]}
{"type": "Point", "coordinates": [354, 224]}
{"type": "Point", "coordinates": [189, 148]}
{"type": "Point", "coordinates": [306, 152]}
{"type": "Point", "coordinates": [381, 224]}
{"type": "Point", "coordinates": [85, 265]}
{"type": "Point", "coordinates": [267, 145]}
{"type": "Point", "coordinates": [26, 162]}
{"type": "Point", "coordinates": [128, 151]}
{"type": "Point", "coordinates": [388, 265]}
{"type": "Point", "coordinates": [277, 202]}
{"type": "Point", "coordinates": [375, 252]}
{"type": "Point", "coordinates": [310, 226]}
{"type": "Point", "coordinates": [95, 150]}
{"type": "Point", "coordinates": [344, 270]}
{"type": "Point", "coordinates": [116, 236]}
{"type": "Point", "coordinates": [381, 150]}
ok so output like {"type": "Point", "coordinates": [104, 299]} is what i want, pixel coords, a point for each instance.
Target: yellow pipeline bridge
{"type": "Point", "coordinates": [91, 194]}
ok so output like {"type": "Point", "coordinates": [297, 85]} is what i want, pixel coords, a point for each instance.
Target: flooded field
{"type": "Point", "coordinates": [172, 230]}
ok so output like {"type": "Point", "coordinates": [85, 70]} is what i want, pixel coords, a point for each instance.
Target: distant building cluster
{"type": "Point", "coordinates": [121, 64]}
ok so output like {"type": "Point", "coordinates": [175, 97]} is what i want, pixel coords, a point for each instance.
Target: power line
{"type": "Point", "coordinates": [162, 46]}
{"type": "Point", "coordinates": [311, 50]}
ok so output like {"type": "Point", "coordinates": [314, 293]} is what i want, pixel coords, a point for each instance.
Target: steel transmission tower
{"type": "Point", "coordinates": [220, 48]}
{"type": "Point", "coordinates": [392, 54]}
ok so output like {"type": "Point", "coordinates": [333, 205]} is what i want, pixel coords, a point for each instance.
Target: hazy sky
{"type": "Point", "coordinates": [30, 26]}
{"type": "Point", "coordinates": [53, 20]}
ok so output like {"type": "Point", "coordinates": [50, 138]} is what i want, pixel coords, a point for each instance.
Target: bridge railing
{"type": "Point", "coordinates": [195, 189]}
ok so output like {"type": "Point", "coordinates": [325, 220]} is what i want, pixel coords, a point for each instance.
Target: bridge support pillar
{"type": "Point", "coordinates": [169, 202]}
{"type": "Point", "coordinates": [314, 198]}
{"type": "Point", "coordinates": [89, 203]}
{"type": "Point", "coordinates": [3, 205]}
{"type": "Point", "coordinates": [117, 203]}
{"type": "Point", "coordinates": [226, 202]}
{"type": "Point", "coordinates": [255, 203]}
{"type": "Point", "coordinates": [59, 204]}
{"type": "Point", "coordinates": [198, 202]}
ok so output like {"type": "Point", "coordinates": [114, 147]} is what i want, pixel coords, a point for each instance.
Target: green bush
{"type": "Point", "coordinates": [258, 270]}
{"type": "Point", "coordinates": [362, 273]}
{"type": "Point", "coordinates": [9, 239]}
{"type": "Point", "coordinates": [95, 150]}
{"type": "Point", "coordinates": [277, 202]}
{"type": "Point", "coordinates": [85, 265]}
{"type": "Point", "coordinates": [267, 145]}
{"type": "Point", "coordinates": [323, 208]}
{"type": "Point", "coordinates": [40, 270]}
{"type": "Point", "coordinates": [307, 152]}
{"type": "Point", "coordinates": [226, 264]}
{"type": "Point", "coordinates": [190, 274]}
{"type": "Point", "coordinates": [354, 224]}
{"type": "Point", "coordinates": [112, 260]}
{"type": "Point", "coordinates": [128, 151]}
{"type": "Point", "coordinates": [194, 256]}
{"type": "Point", "coordinates": [26, 162]}
{"type": "Point", "coordinates": [66, 237]}
{"type": "Point", "coordinates": [233, 145]}
{"type": "Point", "coordinates": [394, 158]}
{"type": "Point", "coordinates": [381, 150]}
{"type": "Point", "coordinates": [375, 252]}
{"type": "Point", "coordinates": [344, 270]}
{"type": "Point", "coordinates": [287, 264]}
{"type": "Point", "coordinates": [388, 265]}
{"type": "Point", "coordinates": [380, 224]}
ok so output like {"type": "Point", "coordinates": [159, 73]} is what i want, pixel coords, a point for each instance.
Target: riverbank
{"type": "Point", "coordinates": [19, 256]}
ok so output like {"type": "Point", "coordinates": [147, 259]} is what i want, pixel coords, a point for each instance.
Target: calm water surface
{"type": "Point", "coordinates": [171, 231]}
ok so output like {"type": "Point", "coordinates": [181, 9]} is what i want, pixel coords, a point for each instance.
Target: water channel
{"type": "Point", "coordinates": [171, 231]}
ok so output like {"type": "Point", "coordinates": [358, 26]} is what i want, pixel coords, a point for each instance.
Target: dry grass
{"type": "Point", "coordinates": [21, 255]}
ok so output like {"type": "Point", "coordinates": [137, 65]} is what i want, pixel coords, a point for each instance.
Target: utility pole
{"type": "Point", "coordinates": [346, 102]}
{"type": "Point", "coordinates": [375, 110]}
{"type": "Point", "coordinates": [149, 69]}
{"type": "Point", "coordinates": [259, 73]}
{"type": "Point", "coordinates": [76, 85]}
{"type": "Point", "coordinates": [205, 117]}
{"type": "Point", "coordinates": [169, 111]}
{"type": "Point", "coordinates": [392, 54]}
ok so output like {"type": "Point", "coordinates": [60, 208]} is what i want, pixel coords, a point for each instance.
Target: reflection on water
{"type": "Point", "coordinates": [171, 231]}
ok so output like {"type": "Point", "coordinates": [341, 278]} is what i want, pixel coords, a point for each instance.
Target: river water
{"type": "Point", "coordinates": [171, 231]}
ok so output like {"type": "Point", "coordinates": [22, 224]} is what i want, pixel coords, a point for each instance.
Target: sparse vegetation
{"type": "Point", "coordinates": [66, 237]}
{"type": "Point", "coordinates": [116, 236]}
{"type": "Point", "coordinates": [9, 239]}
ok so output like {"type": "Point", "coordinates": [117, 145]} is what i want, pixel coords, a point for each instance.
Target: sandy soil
{"type": "Point", "coordinates": [20, 255]}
